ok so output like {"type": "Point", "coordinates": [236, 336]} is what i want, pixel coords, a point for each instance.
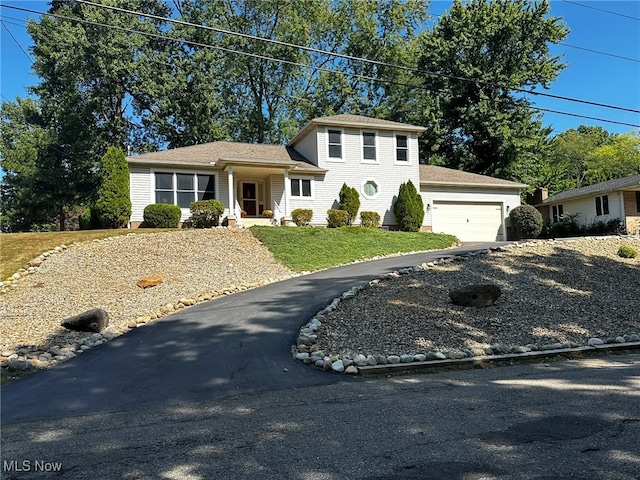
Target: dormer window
{"type": "Point", "coordinates": [369, 146]}
{"type": "Point", "coordinates": [335, 144]}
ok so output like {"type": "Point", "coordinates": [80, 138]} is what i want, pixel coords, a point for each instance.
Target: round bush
{"type": "Point", "coordinates": [337, 218]}
{"type": "Point", "coordinates": [627, 251]}
{"type": "Point", "coordinates": [302, 216]}
{"type": "Point", "coordinates": [370, 219]}
{"type": "Point", "coordinates": [162, 215]}
{"type": "Point", "coordinates": [526, 220]}
{"type": "Point", "coordinates": [206, 213]}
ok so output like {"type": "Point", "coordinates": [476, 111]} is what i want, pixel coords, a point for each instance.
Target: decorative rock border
{"type": "Point", "coordinates": [308, 351]}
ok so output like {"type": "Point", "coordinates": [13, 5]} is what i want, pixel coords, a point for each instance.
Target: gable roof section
{"type": "Point", "coordinates": [220, 154]}
{"type": "Point", "coordinates": [632, 183]}
{"type": "Point", "coordinates": [355, 121]}
{"type": "Point", "coordinates": [432, 175]}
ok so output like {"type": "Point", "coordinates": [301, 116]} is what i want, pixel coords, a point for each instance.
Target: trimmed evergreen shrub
{"type": "Point", "coordinates": [113, 206]}
{"type": "Point", "coordinates": [370, 219]}
{"type": "Point", "coordinates": [627, 251]}
{"type": "Point", "coordinates": [526, 220]}
{"type": "Point", "coordinates": [409, 209]}
{"type": "Point", "coordinates": [349, 200]}
{"type": "Point", "coordinates": [162, 215]}
{"type": "Point", "coordinates": [206, 213]}
{"type": "Point", "coordinates": [337, 218]}
{"type": "Point", "coordinates": [302, 216]}
{"type": "Point", "coordinates": [88, 219]}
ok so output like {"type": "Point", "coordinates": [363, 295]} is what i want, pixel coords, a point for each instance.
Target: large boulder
{"type": "Point", "coordinates": [483, 295]}
{"type": "Point", "coordinates": [94, 320]}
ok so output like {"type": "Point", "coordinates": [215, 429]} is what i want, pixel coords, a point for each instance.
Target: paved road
{"type": "Point", "coordinates": [212, 392]}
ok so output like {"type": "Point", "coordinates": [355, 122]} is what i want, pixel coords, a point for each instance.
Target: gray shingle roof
{"type": "Point", "coordinates": [218, 154]}
{"type": "Point", "coordinates": [434, 175]}
{"type": "Point", "coordinates": [608, 186]}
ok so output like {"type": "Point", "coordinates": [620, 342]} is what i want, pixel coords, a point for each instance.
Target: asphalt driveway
{"type": "Point", "coordinates": [231, 346]}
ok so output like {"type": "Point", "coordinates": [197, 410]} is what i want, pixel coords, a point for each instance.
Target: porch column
{"type": "Point", "coordinates": [232, 202]}
{"type": "Point", "coordinates": [287, 194]}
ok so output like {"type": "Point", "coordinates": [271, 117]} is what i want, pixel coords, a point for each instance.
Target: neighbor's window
{"type": "Point", "coordinates": [557, 213]}
{"type": "Point", "coordinates": [638, 201]}
{"type": "Point", "coordinates": [335, 144]}
{"type": "Point", "coordinates": [369, 146]}
{"type": "Point", "coordinates": [602, 205]}
{"type": "Point", "coordinates": [300, 187]}
{"type": "Point", "coordinates": [402, 148]}
{"type": "Point", "coordinates": [179, 188]}
{"type": "Point", "coordinates": [370, 188]}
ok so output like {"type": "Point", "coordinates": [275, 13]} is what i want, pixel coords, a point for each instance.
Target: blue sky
{"type": "Point", "coordinates": [595, 77]}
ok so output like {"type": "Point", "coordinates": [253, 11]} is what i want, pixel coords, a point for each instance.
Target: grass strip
{"type": "Point", "coordinates": [314, 248]}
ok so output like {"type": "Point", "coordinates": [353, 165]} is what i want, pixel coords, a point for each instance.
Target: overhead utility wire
{"type": "Point", "coordinates": [601, 10]}
{"type": "Point", "coordinates": [15, 40]}
{"type": "Point", "coordinates": [350, 57]}
{"type": "Point", "coordinates": [263, 57]}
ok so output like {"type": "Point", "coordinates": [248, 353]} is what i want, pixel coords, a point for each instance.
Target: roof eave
{"type": "Point", "coordinates": [518, 186]}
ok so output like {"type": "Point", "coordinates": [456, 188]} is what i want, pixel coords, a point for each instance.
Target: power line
{"type": "Point", "coordinates": [350, 57]}
{"type": "Point", "coordinates": [601, 53]}
{"type": "Point", "coordinates": [319, 69]}
{"type": "Point", "coordinates": [601, 10]}
{"type": "Point", "coordinates": [15, 40]}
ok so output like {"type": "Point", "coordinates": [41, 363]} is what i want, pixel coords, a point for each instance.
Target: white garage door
{"type": "Point", "coordinates": [470, 222]}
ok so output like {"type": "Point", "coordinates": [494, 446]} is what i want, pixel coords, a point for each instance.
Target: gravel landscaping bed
{"type": "Point", "coordinates": [552, 293]}
{"type": "Point", "coordinates": [195, 265]}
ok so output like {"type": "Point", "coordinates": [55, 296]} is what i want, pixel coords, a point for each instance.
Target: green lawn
{"type": "Point", "coordinates": [313, 248]}
{"type": "Point", "coordinates": [16, 249]}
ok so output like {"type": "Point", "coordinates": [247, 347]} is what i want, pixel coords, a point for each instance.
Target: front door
{"type": "Point", "coordinates": [250, 198]}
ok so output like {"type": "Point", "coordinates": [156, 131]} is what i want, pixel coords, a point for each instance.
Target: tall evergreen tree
{"type": "Point", "coordinates": [113, 205]}
{"type": "Point", "coordinates": [476, 56]}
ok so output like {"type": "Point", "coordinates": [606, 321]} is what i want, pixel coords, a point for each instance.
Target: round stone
{"type": "Point", "coordinates": [337, 366]}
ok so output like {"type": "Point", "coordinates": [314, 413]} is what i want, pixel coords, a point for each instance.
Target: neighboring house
{"type": "Point", "coordinates": [374, 156]}
{"type": "Point", "coordinates": [612, 200]}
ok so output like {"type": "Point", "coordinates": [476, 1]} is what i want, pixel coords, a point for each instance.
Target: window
{"type": "Point", "coordinates": [179, 188]}
{"type": "Point", "coordinates": [300, 187]}
{"type": "Point", "coordinates": [402, 148]}
{"type": "Point", "coordinates": [335, 144]}
{"type": "Point", "coordinates": [370, 189]}
{"type": "Point", "coordinates": [602, 205]}
{"type": "Point", "coordinates": [557, 213]}
{"type": "Point", "coordinates": [637, 201]}
{"type": "Point", "coordinates": [164, 188]}
{"type": "Point", "coordinates": [369, 146]}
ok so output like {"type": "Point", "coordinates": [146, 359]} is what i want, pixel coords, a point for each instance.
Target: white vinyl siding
{"type": "Point", "coordinates": [586, 208]}
{"type": "Point", "coordinates": [308, 147]}
{"type": "Point", "coordinates": [386, 173]}
{"type": "Point", "coordinates": [140, 192]}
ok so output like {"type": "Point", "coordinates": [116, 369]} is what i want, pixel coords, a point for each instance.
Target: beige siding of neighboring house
{"type": "Point", "coordinates": [308, 146]}
{"type": "Point", "coordinates": [355, 172]}
{"type": "Point", "coordinates": [140, 192]}
{"type": "Point", "coordinates": [586, 207]}
{"type": "Point", "coordinates": [632, 215]}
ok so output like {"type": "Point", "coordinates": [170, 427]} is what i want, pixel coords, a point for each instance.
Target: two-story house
{"type": "Point", "coordinates": [374, 156]}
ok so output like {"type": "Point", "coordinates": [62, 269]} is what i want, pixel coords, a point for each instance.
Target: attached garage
{"type": "Point", "coordinates": [472, 207]}
{"type": "Point", "coordinates": [469, 221]}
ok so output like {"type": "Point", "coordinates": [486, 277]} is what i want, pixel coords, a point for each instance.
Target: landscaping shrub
{"type": "Point", "coordinates": [206, 213]}
{"type": "Point", "coordinates": [113, 206]}
{"type": "Point", "coordinates": [302, 216]}
{"type": "Point", "coordinates": [409, 209]}
{"type": "Point", "coordinates": [370, 219]}
{"type": "Point", "coordinates": [337, 218]}
{"type": "Point", "coordinates": [349, 200]}
{"type": "Point", "coordinates": [162, 215]}
{"type": "Point", "coordinates": [88, 219]}
{"type": "Point", "coordinates": [627, 251]}
{"type": "Point", "coordinates": [526, 220]}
